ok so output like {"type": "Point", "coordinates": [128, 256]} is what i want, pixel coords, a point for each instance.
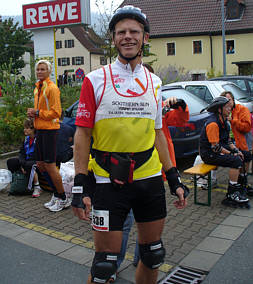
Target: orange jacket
{"type": "Point", "coordinates": [47, 101]}
{"type": "Point", "coordinates": [241, 124]}
{"type": "Point", "coordinates": [177, 117]}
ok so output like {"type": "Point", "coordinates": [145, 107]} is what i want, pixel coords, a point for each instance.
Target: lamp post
{"type": "Point", "coordinates": [223, 38]}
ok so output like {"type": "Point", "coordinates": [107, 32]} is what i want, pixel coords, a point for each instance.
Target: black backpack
{"type": "Point", "coordinates": [19, 184]}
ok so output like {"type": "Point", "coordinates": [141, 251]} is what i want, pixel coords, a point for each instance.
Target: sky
{"type": "Point", "coordinates": [14, 7]}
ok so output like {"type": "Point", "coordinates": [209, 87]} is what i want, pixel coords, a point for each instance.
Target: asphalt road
{"type": "Point", "coordinates": [236, 265]}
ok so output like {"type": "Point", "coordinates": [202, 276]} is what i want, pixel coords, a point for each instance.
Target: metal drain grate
{"type": "Point", "coordinates": [184, 275]}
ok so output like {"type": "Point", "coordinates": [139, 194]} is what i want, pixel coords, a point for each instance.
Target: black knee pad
{"type": "Point", "coordinates": [103, 266]}
{"type": "Point", "coordinates": [152, 255]}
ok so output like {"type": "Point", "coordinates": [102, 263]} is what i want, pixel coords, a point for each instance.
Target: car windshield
{"type": "Point", "coordinates": [238, 93]}
{"type": "Point", "coordinates": [195, 104]}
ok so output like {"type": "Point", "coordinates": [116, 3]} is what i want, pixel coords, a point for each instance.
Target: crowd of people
{"type": "Point", "coordinates": [126, 126]}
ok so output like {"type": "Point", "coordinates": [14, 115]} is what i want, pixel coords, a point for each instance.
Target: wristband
{"type": "Point", "coordinates": [78, 190]}
{"type": "Point", "coordinates": [174, 182]}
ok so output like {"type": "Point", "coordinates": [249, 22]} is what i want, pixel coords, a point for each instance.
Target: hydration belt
{"type": "Point", "coordinates": [121, 166]}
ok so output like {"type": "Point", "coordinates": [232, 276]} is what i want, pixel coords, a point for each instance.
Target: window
{"type": "Point", "coordinates": [197, 47]}
{"type": "Point", "coordinates": [230, 46]}
{"type": "Point", "coordinates": [58, 44]}
{"type": "Point", "coordinates": [240, 83]}
{"type": "Point", "coordinates": [234, 10]}
{"type": "Point", "coordinates": [171, 48]}
{"type": "Point", "coordinates": [201, 92]}
{"type": "Point", "coordinates": [250, 85]}
{"type": "Point", "coordinates": [62, 31]}
{"type": "Point", "coordinates": [69, 43]}
{"type": "Point", "coordinates": [78, 60]}
{"type": "Point", "coordinates": [63, 61]}
{"type": "Point", "coordinates": [103, 60]}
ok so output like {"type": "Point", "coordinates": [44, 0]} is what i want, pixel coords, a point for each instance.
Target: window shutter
{"type": "Point", "coordinates": [59, 61]}
{"type": "Point", "coordinates": [68, 61]}
{"type": "Point", "coordinates": [66, 43]}
{"type": "Point", "coordinates": [73, 61]}
{"type": "Point", "coordinates": [82, 60]}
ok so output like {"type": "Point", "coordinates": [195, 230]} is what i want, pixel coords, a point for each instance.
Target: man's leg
{"type": "Point", "coordinates": [109, 242]}
{"type": "Point", "coordinates": [148, 232]}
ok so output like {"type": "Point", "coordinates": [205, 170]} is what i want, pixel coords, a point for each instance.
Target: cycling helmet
{"type": "Point", "coordinates": [129, 12]}
{"type": "Point", "coordinates": [216, 104]}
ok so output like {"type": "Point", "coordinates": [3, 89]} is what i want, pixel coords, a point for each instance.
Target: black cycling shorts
{"type": "Point", "coordinates": [222, 160]}
{"type": "Point", "coordinates": [45, 145]}
{"type": "Point", "coordinates": [112, 204]}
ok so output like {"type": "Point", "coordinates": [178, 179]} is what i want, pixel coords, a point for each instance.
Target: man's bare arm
{"type": "Point", "coordinates": [82, 143]}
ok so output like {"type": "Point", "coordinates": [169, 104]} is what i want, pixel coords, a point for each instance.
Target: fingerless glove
{"type": "Point", "coordinates": [174, 182]}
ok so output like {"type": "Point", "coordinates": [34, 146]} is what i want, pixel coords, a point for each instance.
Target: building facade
{"type": "Point", "coordinates": [78, 51]}
{"type": "Point", "coordinates": [188, 34]}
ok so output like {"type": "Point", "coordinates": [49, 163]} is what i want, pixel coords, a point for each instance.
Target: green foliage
{"type": "Point", "coordinates": [172, 74]}
{"type": "Point", "coordinates": [69, 95]}
{"type": "Point", "coordinates": [11, 131]}
{"type": "Point", "coordinates": [13, 44]}
{"type": "Point", "coordinates": [17, 93]}
{"type": "Point", "coordinates": [212, 73]}
{"type": "Point", "coordinates": [17, 96]}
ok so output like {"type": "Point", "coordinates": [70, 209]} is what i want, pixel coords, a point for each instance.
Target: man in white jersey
{"type": "Point", "coordinates": [121, 108]}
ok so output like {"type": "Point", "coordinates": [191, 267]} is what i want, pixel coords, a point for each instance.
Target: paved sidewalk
{"type": "Point", "coordinates": [196, 237]}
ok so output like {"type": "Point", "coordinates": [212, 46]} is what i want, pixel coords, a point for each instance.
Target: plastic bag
{"type": "Point", "coordinates": [202, 182]}
{"type": "Point", "coordinates": [67, 172]}
{"type": "Point", "coordinates": [5, 178]}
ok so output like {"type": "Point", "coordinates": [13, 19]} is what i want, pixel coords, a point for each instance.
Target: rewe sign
{"type": "Point", "coordinates": [52, 13]}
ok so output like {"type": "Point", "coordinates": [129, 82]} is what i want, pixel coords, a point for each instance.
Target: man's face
{"type": "Point", "coordinates": [42, 72]}
{"type": "Point", "coordinates": [128, 37]}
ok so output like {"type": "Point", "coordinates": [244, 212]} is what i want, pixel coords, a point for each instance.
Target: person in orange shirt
{"type": "Point", "coordinates": [216, 148]}
{"type": "Point", "coordinates": [241, 127]}
{"type": "Point", "coordinates": [175, 113]}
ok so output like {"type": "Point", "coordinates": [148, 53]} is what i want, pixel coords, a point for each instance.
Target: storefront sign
{"type": "Point", "coordinates": [52, 13]}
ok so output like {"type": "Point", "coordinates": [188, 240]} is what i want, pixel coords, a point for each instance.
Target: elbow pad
{"type": "Point", "coordinates": [216, 148]}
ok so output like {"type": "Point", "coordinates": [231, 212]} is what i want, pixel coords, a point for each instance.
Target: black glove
{"type": "Point", "coordinates": [80, 190]}
{"type": "Point", "coordinates": [174, 181]}
{"type": "Point", "coordinates": [179, 103]}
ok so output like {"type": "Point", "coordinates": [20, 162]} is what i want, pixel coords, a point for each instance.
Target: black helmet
{"type": "Point", "coordinates": [216, 104]}
{"type": "Point", "coordinates": [129, 12]}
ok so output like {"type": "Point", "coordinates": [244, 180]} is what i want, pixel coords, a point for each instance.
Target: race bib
{"type": "Point", "coordinates": [100, 220]}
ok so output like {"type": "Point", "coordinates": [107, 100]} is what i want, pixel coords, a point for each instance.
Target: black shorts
{"type": "Point", "coordinates": [247, 156]}
{"type": "Point", "coordinates": [45, 145]}
{"type": "Point", "coordinates": [111, 205]}
{"type": "Point", "coordinates": [226, 160]}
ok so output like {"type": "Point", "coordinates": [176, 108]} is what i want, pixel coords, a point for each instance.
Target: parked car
{"type": "Point", "coordinates": [70, 114]}
{"type": "Point", "coordinates": [243, 82]}
{"type": "Point", "coordinates": [186, 139]}
{"type": "Point", "coordinates": [208, 90]}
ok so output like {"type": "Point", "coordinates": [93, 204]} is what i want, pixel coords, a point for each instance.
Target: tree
{"type": "Point", "coordinates": [14, 43]}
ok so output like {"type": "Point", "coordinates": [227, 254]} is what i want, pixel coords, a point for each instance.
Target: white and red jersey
{"type": "Point", "coordinates": [124, 108]}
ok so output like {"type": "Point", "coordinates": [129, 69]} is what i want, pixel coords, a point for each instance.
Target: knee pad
{"type": "Point", "coordinates": [103, 266]}
{"type": "Point", "coordinates": [152, 255]}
